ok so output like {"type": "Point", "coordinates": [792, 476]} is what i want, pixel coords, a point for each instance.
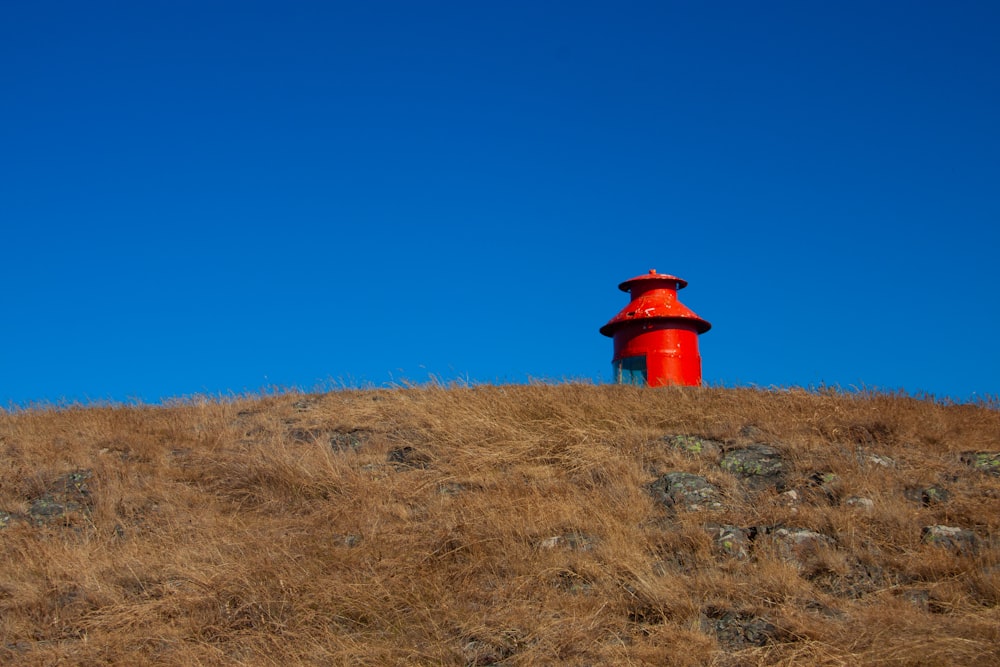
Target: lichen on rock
{"type": "Point", "coordinates": [687, 490]}
{"type": "Point", "coordinates": [960, 540]}
{"type": "Point", "coordinates": [694, 445]}
{"type": "Point", "coordinates": [987, 462]}
{"type": "Point", "coordinates": [760, 466]}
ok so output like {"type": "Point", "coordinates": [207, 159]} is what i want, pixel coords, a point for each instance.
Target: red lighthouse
{"type": "Point", "coordinates": [655, 335]}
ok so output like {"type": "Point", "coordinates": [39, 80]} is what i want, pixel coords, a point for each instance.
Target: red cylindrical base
{"type": "Point", "coordinates": [668, 352]}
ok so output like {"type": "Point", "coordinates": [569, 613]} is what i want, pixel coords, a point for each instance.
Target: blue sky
{"type": "Point", "coordinates": [217, 197]}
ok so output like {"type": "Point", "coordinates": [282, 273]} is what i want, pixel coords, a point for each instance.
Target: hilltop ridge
{"type": "Point", "coordinates": [504, 525]}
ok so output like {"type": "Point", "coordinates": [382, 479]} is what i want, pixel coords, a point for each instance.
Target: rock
{"type": "Point", "coordinates": [47, 507]}
{"type": "Point", "coordinates": [571, 581]}
{"type": "Point", "coordinates": [934, 495]}
{"type": "Point", "coordinates": [645, 614]}
{"type": "Point", "coordinates": [574, 541]}
{"type": "Point", "coordinates": [860, 502]}
{"type": "Point", "coordinates": [823, 609]}
{"type": "Point", "coordinates": [68, 494]}
{"type": "Point", "coordinates": [686, 490]}
{"type": "Point", "coordinates": [408, 457]}
{"type": "Point", "coordinates": [800, 546]}
{"type": "Point", "coordinates": [822, 478]}
{"type": "Point", "coordinates": [737, 630]}
{"type": "Point", "coordinates": [478, 653]}
{"type": "Point", "coordinates": [759, 466]}
{"type": "Point", "coordinates": [987, 462]}
{"type": "Point", "coordinates": [305, 404]}
{"type": "Point", "coordinates": [338, 440]}
{"type": "Point", "coordinates": [855, 581]}
{"type": "Point", "coordinates": [918, 597]}
{"type": "Point", "coordinates": [931, 495]}
{"type": "Point", "coordinates": [305, 435]}
{"type": "Point", "coordinates": [789, 498]}
{"type": "Point", "coordinates": [491, 647]}
{"type": "Point", "coordinates": [959, 540]}
{"type": "Point", "coordinates": [349, 540]}
{"type": "Point", "coordinates": [73, 484]}
{"type": "Point", "coordinates": [694, 445]}
{"type": "Point", "coordinates": [550, 542]}
{"type": "Point", "coordinates": [826, 485]}
{"type": "Point", "coordinates": [732, 541]}
{"type": "Point", "coordinates": [879, 460]}
{"type": "Point", "coordinates": [348, 440]}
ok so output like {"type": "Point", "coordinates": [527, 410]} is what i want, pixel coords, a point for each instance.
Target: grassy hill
{"type": "Point", "coordinates": [513, 525]}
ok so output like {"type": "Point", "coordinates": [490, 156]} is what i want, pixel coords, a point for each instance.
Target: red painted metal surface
{"type": "Point", "coordinates": [655, 335]}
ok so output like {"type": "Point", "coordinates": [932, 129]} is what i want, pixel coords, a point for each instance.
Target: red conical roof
{"type": "Point", "coordinates": [654, 297]}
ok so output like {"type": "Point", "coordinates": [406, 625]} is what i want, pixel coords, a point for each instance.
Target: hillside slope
{"type": "Point", "coordinates": [514, 525]}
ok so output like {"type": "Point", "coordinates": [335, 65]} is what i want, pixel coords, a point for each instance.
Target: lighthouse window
{"type": "Point", "coordinates": [630, 370]}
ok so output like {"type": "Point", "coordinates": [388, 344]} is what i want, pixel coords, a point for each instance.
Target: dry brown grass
{"type": "Point", "coordinates": [518, 529]}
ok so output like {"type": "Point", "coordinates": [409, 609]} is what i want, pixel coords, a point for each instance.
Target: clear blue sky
{"type": "Point", "coordinates": [214, 197]}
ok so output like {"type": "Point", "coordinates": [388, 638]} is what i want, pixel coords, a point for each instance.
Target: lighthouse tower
{"type": "Point", "coordinates": [655, 335]}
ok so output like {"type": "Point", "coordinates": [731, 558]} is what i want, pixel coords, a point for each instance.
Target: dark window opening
{"type": "Point", "coordinates": [630, 370]}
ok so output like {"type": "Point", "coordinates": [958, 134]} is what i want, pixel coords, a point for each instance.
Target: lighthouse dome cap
{"type": "Point", "coordinates": [652, 276]}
